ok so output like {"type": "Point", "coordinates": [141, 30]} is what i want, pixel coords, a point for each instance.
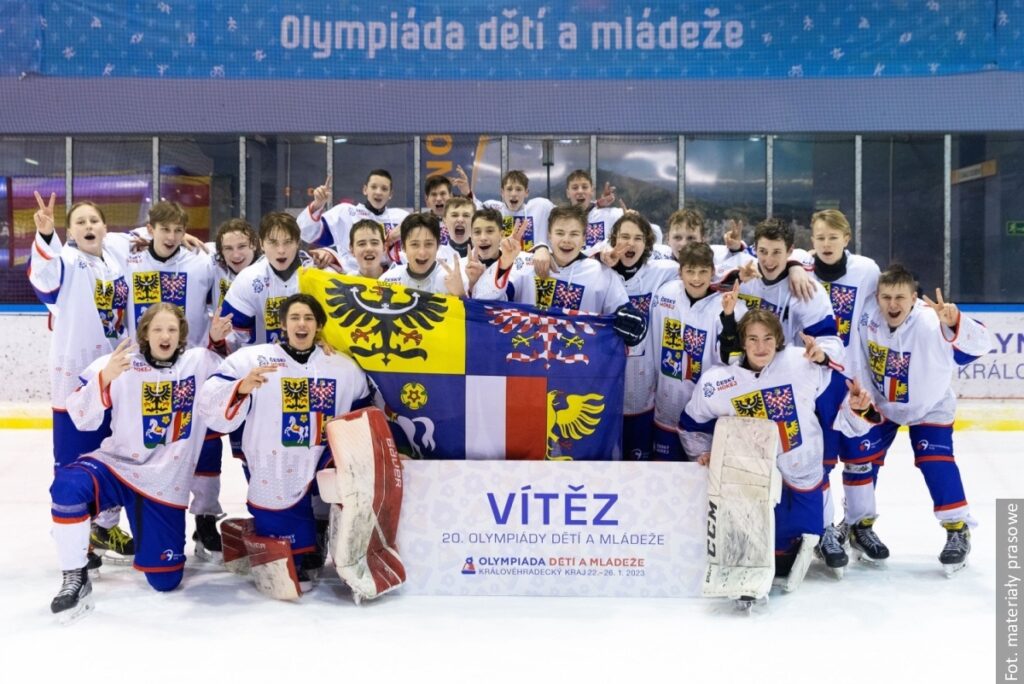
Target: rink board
{"type": "Point", "coordinates": [528, 528]}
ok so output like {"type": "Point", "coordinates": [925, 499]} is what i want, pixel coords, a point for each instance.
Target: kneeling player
{"type": "Point", "coordinates": [778, 383]}
{"type": "Point", "coordinates": [909, 351]}
{"type": "Point", "coordinates": [285, 393]}
{"type": "Point", "coordinates": [147, 462]}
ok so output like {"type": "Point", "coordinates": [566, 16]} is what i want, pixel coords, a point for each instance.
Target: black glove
{"type": "Point", "coordinates": [630, 324]}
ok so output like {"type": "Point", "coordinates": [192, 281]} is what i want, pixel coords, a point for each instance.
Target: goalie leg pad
{"type": "Point", "coordinates": [798, 527]}
{"type": "Point", "coordinates": [232, 534]}
{"type": "Point", "coordinates": [367, 483]}
{"type": "Point", "coordinates": [743, 487]}
{"type": "Point", "coordinates": [273, 568]}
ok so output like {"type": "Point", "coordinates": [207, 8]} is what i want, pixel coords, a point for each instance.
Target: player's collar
{"type": "Point", "coordinates": [299, 356]}
{"type": "Point", "coordinates": [830, 272]}
{"type": "Point", "coordinates": [163, 260]}
{"type": "Point", "coordinates": [162, 363]}
{"type": "Point", "coordinates": [368, 205]}
{"type": "Point", "coordinates": [288, 272]}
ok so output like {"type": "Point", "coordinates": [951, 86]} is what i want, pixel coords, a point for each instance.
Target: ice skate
{"type": "Point", "coordinates": [93, 564]}
{"type": "Point", "coordinates": [309, 571]}
{"type": "Point", "coordinates": [74, 599]}
{"type": "Point", "coordinates": [865, 542]}
{"type": "Point", "coordinates": [114, 544]}
{"type": "Point", "coordinates": [207, 539]}
{"type": "Point", "coordinates": [747, 604]}
{"type": "Point", "coordinates": [958, 546]}
{"type": "Point", "coordinates": [830, 550]}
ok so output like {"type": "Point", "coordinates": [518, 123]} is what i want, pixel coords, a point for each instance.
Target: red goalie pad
{"type": "Point", "coordinates": [232, 533]}
{"type": "Point", "coordinates": [273, 568]}
{"type": "Point", "coordinates": [368, 485]}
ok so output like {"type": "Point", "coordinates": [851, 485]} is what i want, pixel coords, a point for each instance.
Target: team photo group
{"type": "Point", "coordinates": [166, 352]}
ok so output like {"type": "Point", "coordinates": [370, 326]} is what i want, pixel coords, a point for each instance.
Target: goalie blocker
{"type": "Point", "coordinates": [365, 490]}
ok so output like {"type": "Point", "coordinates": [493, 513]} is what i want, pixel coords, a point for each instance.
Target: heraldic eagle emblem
{"type": "Point", "coordinates": [398, 322]}
{"type": "Point", "coordinates": [571, 417]}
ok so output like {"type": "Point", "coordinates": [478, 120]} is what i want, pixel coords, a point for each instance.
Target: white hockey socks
{"type": "Point", "coordinates": [859, 499]}
{"type": "Point", "coordinates": [205, 495]}
{"type": "Point", "coordinates": [72, 544]}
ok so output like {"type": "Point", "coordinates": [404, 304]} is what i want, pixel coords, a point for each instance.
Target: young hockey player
{"type": "Point", "coordinates": [482, 260]}
{"type": "Point", "coordinates": [515, 208]}
{"type": "Point", "coordinates": [764, 286]}
{"type": "Point", "coordinates": [325, 227]}
{"type": "Point", "coordinates": [849, 281]}
{"type": "Point", "coordinates": [601, 215]}
{"type": "Point", "coordinates": [909, 350]}
{"type": "Point", "coordinates": [146, 463]}
{"type": "Point", "coordinates": [236, 247]}
{"type": "Point", "coordinates": [166, 272]}
{"type": "Point", "coordinates": [423, 271]}
{"type": "Point", "coordinates": [256, 294]}
{"type": "Point", "coordinates": [83, 286]}
{"type": "Point", "coordinates": [366, 243]}
{"type": "Point", "coordinates": [631, 242]}
{"type": "Point", "coordinates": [577, 283]}
{"type": "Point", "coordinates": [458, 217]}
{"type": "Point", "coordinates": [286, 392]}
{"type": "Point", "coordinates": [693, 328]}
{"type": "Point", "coordinates": [781, 383]}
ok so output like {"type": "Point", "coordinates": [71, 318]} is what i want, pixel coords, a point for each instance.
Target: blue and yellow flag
{"type": "Point", "coordinates": [480, 380]}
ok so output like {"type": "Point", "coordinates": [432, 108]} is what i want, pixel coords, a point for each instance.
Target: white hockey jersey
{"type": "Point", "coordinates": [599, 227]}
{"type": "Point", "coordinates": [184, 280]}
{"type": "Point", "coordinates": [285, 419]}
{"type": "Point", "coordinates": [87, 297]}
{"type": "Point", "coordinates": [432, 281]}
{"type": "Point", "coordinates": [253, 300]}
{"type": "Point", "coordinates": [641, 359]}
{"type": "Point", "coordinates": [783, 392]}
{"type": "Point", "coordinates": [584, 285]}
{"type": "Point", "coordinates": [848, 295]}
{"type": "Point", "coordinates": [813, 318]}
{"type": "Point", "coordinates": [156, 433]}
{"type": "Point", "coordinates": [332, 228]}
{"type": "Point", "coordinates": [534, 211]}
{"type": "Point", "coordinates": [685, 338]}
{"type": "Point", "coordinates": [910, 369]}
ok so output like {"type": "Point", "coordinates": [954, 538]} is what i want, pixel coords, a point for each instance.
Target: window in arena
{"type": "Point", "coordinates": [117, 174]}
{"type": "Point", "coordinates": [478, 155]}
{"type": "Point", "coordinates": [987, 217]}
{"type": "Point", "coordinates": [644, 172]}
{"type": "Point", "coordinates": [281, 172]}
{"type": "Point", "coordinates": [902, 204]}
{"type": "Point", "coordinates": [356, 155]}
{"type": "Point", "coordinates": [202, 174]}
{"type": "Point", "coordinates": [563, 154]}
{"type": "Point", "coordinates": [27, 165]}
{"type": "Point", "coordinates": [811, 173]}
{"type": "Point", "coordinates": [726, 179]}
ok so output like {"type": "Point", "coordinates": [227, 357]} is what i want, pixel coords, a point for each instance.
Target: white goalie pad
{"type": "Point", "coordinates": [800, 564]}
{"type": "Point", "coordinates": [365, 490]}
{"type": "Point", "coordinates": [743, 487]}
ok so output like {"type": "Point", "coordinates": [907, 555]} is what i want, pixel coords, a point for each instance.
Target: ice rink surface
{"type": "Point", "coordinates": [901, 623]}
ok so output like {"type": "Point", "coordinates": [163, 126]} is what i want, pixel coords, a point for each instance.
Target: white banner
{"type": "Point", "coordinates": [553, 528]}
{"type": "Point", "coordinates": [1000, 373]}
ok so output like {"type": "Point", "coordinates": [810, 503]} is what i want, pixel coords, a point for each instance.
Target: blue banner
{"type": "Point", "coordinates": [527, 40]}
